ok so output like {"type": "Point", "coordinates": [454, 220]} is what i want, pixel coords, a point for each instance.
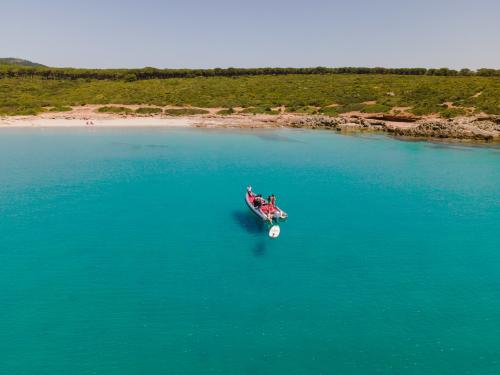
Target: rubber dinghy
{"type": "Point", "coordinates": [265, 211]}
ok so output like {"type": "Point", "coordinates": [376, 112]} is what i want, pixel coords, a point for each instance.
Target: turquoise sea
{"type": "Point", "coordinates": [131, 251]}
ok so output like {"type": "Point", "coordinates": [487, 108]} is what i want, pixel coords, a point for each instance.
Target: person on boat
{"type": "Point", "coordinates": [257, 202]}
{"type": "Point", "coordinates": [249, 190]}
{"type": "Point", "coordinates": [272, 200]}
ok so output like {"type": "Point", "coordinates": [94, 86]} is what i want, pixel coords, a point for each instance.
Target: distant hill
{"type": "Point", "coordinates": [15, 61]}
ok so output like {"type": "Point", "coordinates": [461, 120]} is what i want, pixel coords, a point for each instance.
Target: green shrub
{"type": "Point", "coordinates": [329, 111]}
{"type": "Point", "coordinates": [425, 109]}
{"type": "Point", "coordinates": [185, 111]}
{"type": "Point", "coordinates": [451, 112]}
{"type": "Point", "coordinates": [225, 112]}
{"type": "Point", "coordinates": [130, 77]}
{"type": "Point", "coordinates": [491, 108]}
{"type": "Point", "coordinates": [148, 110]}
{"type": "Point", "coordinates": [113, 109]}
{"type": "Point", "coordinates": [260, 110]}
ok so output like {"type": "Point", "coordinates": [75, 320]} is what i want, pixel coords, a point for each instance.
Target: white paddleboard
{"type": "Point", "coordinates": [274, 232]}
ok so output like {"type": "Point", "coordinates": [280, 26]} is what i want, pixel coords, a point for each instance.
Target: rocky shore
{"type": "Point", "coordinates": [471, 128]}
{"type": "Point", "coordinates": [460, 128]}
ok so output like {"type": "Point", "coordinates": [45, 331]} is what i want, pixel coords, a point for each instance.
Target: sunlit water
{"type": "Point", "coordinates": [132, 252]}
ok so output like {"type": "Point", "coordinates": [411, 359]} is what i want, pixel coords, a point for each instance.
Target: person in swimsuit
{"type": "Point", "coordinates": [269, 216]}
{"type": "Point", "coordinates": [272, 200]}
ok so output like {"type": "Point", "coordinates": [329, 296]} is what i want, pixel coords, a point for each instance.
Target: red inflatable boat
{"type": "Point", "coordinates": [262, 208]}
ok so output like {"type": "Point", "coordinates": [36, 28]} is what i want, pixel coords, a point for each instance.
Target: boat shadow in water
{"type": "Point", "coordinates": [252, 225]}
{"type": "Point", "coordinates": [248, 222]}
{"type": "Point", "coordinates": [260, 249]}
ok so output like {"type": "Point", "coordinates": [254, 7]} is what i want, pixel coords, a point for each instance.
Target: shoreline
{"type": "Point", "coordinates": [476, 129]}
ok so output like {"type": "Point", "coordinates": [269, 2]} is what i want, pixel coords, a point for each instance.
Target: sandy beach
{"type": "Point", "coordinates": [37, 122]}
{"type": "Point", "coordinates": [88, 116]}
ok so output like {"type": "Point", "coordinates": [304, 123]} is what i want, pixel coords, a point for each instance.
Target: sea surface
{"type": "Point", "coordinates": [131, 251]}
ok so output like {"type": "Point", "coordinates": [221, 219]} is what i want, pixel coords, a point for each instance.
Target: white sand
{"type": "Point", "coordinates": [135, 122]}
{"type": "Point", "coordinates": [37, 122]}
{"type": "Point", "coordinates": [81, 117]}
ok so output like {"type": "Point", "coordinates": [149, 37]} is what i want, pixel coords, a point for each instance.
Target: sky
{"type": "Point", "coordinates": [255, 33]}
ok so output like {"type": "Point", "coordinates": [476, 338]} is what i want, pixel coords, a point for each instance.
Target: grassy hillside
{"type": "Point", "coordinates": [324, 93]}
{"type": "Point", "coordinates": [19, 62]}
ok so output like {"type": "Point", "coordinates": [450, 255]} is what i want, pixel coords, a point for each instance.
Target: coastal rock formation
{"type": "Point", "coordinates": [336, 123]}
{"type": "Point", "coordinates": [464, 128]}
{"type": "Point", "coordinates": [459, 128]}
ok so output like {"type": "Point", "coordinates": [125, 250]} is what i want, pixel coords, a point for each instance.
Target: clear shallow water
{"type": "Point", "coordinates": [132, 251]}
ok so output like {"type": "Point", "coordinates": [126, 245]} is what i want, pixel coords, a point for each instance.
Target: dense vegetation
{"type": "Point", "coordinates": [154, 73]}
{"type": "Point", "coordinates": [309, 93]}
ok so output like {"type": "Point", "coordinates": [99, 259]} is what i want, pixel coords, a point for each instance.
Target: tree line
{"type": "Point", "coordinates": [10, 71]}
